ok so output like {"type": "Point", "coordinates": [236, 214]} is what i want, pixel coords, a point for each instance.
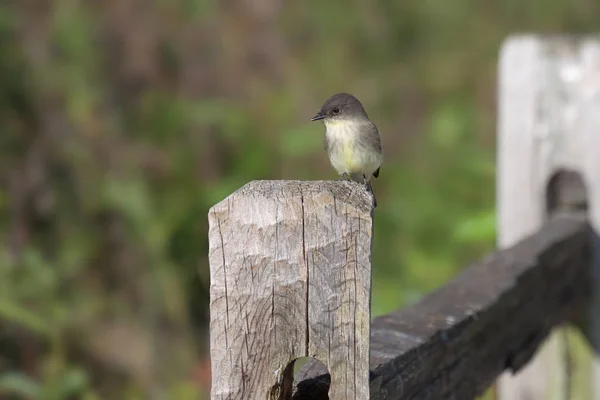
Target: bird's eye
{"type": "Point", "coordinates": [336, 110]}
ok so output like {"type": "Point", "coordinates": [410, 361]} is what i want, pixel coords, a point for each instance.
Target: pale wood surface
{"type": "Point", "coordinates": [549, 120]}
{"type": "Point", "coordinates": [492, 317]}
{"type": "Point", "coordinates": [290, 270]}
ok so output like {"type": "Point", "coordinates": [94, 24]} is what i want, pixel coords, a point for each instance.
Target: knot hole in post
{"type": "Point", "coordinates": [566, 193]}
{"type": "Point", "coordinates": [308, 376]}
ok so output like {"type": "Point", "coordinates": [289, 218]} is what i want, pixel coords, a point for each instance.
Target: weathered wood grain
{"type": "Point", "coordinates": [491, 318]}
{"type": "Point", "coordinates": [290, 270]}
{"type": "Point", "coordinates": [548, 121]}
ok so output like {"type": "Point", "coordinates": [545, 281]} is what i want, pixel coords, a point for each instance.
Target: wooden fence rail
{"type": "Point", "coordinates": [291, 266]}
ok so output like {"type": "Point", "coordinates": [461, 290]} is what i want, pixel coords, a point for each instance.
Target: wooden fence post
{"type": "Point", "coordinates": [290, 267]}
{"type": "Point", "coordinates": [549, 120]}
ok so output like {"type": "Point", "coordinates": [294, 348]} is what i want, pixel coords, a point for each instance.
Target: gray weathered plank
{"type": "Point", "coordinates": [492, 317]}
{"type": "Point", "coordinates": [290, 277]}
{"type": "Point", "coordinates": [549, 119]}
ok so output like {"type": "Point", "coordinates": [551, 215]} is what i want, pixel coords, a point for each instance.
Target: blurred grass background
{"type": "Point", "coordinates": [123, 121]}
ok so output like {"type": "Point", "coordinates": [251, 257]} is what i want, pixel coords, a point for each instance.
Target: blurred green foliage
{"type": "Point", "coordinates": [124, 121]}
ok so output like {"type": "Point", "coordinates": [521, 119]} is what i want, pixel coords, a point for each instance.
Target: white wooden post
{"type": "Point", "coordinates": [549, 120]}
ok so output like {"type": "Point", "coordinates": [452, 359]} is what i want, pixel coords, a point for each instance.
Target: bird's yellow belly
{"type": "Point", "coordinates": [350, 158]}
{"type": "Point", "coordinates": [348, 154]}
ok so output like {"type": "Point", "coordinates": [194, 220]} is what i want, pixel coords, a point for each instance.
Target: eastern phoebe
{"type": "Point", "coordinates": [351, 139]}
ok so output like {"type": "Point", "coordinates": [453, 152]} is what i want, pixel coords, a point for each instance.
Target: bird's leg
{"type": "Point", "coordinates": [344, 177]}
{"type": "Point", "coordinates": [369, 188]}
{"type": "Point", "coordinates": [366, 183]}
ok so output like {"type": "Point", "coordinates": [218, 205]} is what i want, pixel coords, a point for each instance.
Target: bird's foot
{"type": "Point", "coordinates": [366, 183]}
{"type": "Point", "coordinates": [369, 189]}
{"type": "Point", "coordinates": [344, 177]}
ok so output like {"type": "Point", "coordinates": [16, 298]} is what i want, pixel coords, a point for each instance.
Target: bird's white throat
{"type": "Point", "coordinates": [343, 129]}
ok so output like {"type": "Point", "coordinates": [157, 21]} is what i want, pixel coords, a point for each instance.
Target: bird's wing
{"type": "Point", "coordinates": [374, 137]}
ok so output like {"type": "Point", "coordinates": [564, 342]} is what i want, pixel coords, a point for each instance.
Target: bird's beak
{"type": "Point", "coordinates": [317, 117]}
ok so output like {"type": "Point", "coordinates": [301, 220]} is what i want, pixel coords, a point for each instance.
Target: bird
{"type": "Point", "coordinates": [352, 140]}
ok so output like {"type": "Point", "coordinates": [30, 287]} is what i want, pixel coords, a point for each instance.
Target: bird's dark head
{"type": "Point", "coordinates": [341, 106]}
